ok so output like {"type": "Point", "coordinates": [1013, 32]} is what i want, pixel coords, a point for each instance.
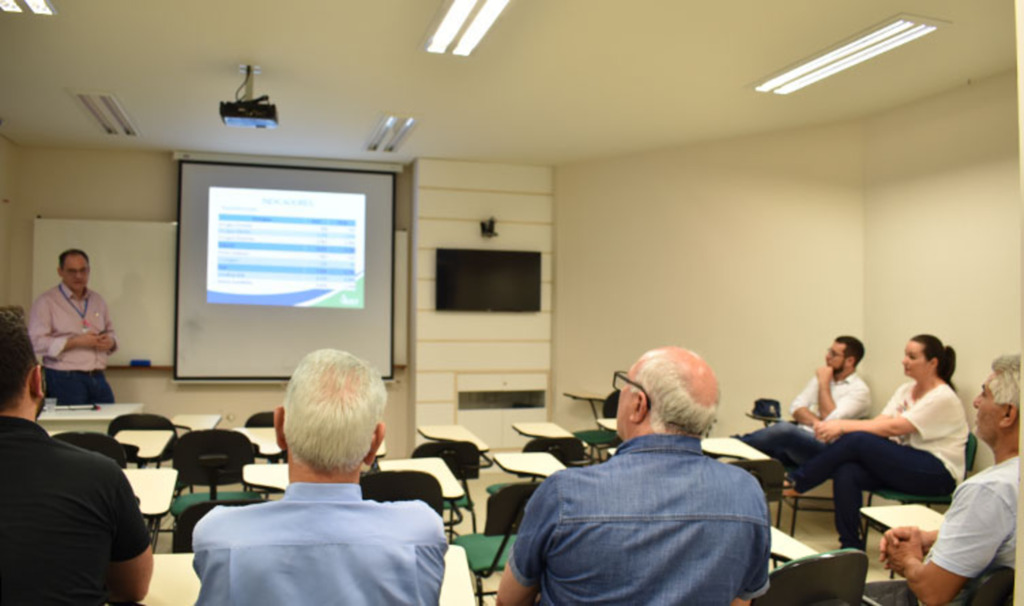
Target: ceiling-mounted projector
{"type": "Point", "coordinates": [245, 111]}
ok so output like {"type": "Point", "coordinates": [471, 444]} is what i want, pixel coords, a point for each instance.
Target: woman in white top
{"type": "Point", "coordinates": [916, 445]}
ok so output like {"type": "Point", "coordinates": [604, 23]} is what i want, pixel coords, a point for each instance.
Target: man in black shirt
{"type": "Point", "coordinates": [70, 527]}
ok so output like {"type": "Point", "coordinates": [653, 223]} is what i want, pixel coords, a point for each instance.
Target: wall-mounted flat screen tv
{"type": "Point", "coordinates": [487, 280]}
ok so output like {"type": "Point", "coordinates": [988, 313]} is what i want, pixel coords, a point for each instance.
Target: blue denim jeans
{"type": "Point", "coordinates": [862, 461]}
{"type": "Point", "coordinates": [787, 442]}
{"type": "Point", "coordinates": [76, 387]}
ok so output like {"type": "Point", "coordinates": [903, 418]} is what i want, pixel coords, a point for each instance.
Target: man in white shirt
{"type": "Point", "coordinates": [835, 392]}
{"type": "Point", "coordinates": [980, 528]}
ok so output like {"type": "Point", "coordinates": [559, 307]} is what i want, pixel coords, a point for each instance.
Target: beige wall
{"type": "Point", "coordinates": [942, 239]}
{"type": "Point", "coordinates": [7, 152]}
{"type": "Point", "coordinates": [141, 186]}
{"type": "Point", "coordinates": [748, 251]}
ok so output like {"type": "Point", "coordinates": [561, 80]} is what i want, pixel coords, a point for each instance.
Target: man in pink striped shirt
{"type": "Point", "coordinates": [71, 329]}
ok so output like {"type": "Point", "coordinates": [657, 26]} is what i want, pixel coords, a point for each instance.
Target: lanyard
{"type": "Point", "coordinates": [81, 314]}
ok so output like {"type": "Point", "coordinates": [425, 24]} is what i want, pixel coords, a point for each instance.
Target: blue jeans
{"type": "Point", "coordinates": [78, 387]}
{"type": "Point", "coordinates": [785, 441]}
{"type": "Point", "coordinates": [862, 461]}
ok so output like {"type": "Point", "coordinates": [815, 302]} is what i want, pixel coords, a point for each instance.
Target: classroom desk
{"type": "Point", "coordinates": [535, 464]}
{"type": "Point", "coordinates": [609, 424]}
{"type": "Point", "coordinates": [63, 419]}
{"type": "Point", "coordinates": [589, 397]}
{"type": "Point", "coordinates": [726, 447]}
{"type": "Point", "coordinates": [731, 447]}
{"type": "Point", "coordinates": [884, 517]}
{"type": "Point", "coordinates": [150, 442]}
{"type": "Point", "coordinates": [785, 547]}
{"type": "Point", "coordinates": [451, 433]}
{"type": "Point", "coordinates": [175, 582]}
{"type": "Point", "coordinates": [541, 430]}
{"type": "Point", "coordinates": [272, 476]}
{"type": "Point", "coordinates": [263, 438]}
{"type": "Point", "coordinates": [451, 488]}
{"type": "Point", "coordinates": [194, 422]}
{"type": "Point", "coordinates": [154, 488]}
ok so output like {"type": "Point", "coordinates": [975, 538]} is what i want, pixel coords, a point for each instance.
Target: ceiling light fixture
{"type": "Point", "coordinates": [390, 133]}
{"type": "Point", "coordinates": [456, 14]}
{"type": "Point", "coordinates": [41, 7]}
{"type": "Point", "coordinates": [884, 37]}
{"type": "Point", "coordinates": [107, 111]}
{"type": "Point", "coordinates": [9, 6]}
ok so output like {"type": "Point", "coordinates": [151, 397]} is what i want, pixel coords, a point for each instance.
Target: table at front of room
{"type": "Point", "coordinates": [175, 582]}
{"type": "Point", "coordinates": [72, 419]}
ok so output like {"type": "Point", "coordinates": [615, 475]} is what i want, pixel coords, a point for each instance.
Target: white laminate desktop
{"type": "Point", "coordinates": [894, 516]}
{"type": "Point", "coordinates": [788, 548]}
{"type": "Point", "coordinates": [536, 464]}
{"type": "Point", "coordinates": [154, 488]}
{"type": "Point", "coordinates": [263, 438]}
{"type": "Point", "coordinates": [451, 489]}
{"type": "Point", "coordinates": [196, 422]}
{"type": "Point", "coordinates": [74, 419]}
{"type": "Point", "coordinates": [541, 430]}
{"type": "Point", "coordinates": [150, 442]}
{"type": "Point", "coordinates": [451, 433]}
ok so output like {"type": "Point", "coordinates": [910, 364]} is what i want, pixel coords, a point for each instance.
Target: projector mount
{"type": "Point", "coordinates": [247, 111]}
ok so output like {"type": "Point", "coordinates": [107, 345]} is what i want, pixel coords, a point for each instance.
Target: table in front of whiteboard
{"type": "Point", "coordinates": [150, 442]}
{"type": "Point", "coordinates": [541, 430]}
{"type": "Point", "coordinates": [175, 582]}
{"type": "Point", "coordinates": [154, 488]}
{"type": "Point", "coordinates": [73, 419]}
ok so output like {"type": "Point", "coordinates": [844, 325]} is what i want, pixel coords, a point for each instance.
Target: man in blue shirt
{"type": "Point", "coordinates": [658, 523]}
{"type": "Point", "coordinates": [322, 544]}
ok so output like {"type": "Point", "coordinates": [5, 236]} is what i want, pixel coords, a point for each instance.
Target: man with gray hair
{"type": "Point", "coordinates": [659, 522]}
{"type": "Point", "coordinates": [323, 544]}
{"type": "Point", "coordinates": [979, 531]}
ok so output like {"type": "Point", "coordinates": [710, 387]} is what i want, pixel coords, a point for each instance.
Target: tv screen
{"type": "Point", "coordinates": [487, 280]}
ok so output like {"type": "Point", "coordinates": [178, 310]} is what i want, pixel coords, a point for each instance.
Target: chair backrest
{"type": "Point", "coordinates": [505, 508]}
{"type": "Point", "coordinates": [96, 442]}
{"type": "Point", "coordinates": [261, 419]}
{"type": "Point", "coordinates": [403, 486]}
{"type": "Point", "coordinates": [770, 473]}
{"type": "Point", "coordinates": [462, 458]}
{"type": "Point", "coordinates": [995, 588]}
{"type": "Point", "coordinates": [138, 421]}
{"type": "Point", "coordinates": [611, 405]}
{"type": "Point", "coordinates": [972, 450]}
{"type": "Point", "coordinates": [567, 450]}
{"type": "Point", "coordinates": [186, 522]}
{"type": "Point", "coordinates": [197, 452]}
{"type": "Point", "coordinates": [834, 577]}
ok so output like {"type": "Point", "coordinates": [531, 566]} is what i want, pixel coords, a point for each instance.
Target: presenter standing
{"type": "Point", "coordinates": [71, 329]}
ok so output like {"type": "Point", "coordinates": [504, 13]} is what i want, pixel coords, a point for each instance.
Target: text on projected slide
{"type": "Point", "coordinates": [286, 248]}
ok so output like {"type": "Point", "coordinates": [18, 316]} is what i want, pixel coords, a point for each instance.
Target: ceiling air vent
{"type": "Point", "coordinates": [107, 112]}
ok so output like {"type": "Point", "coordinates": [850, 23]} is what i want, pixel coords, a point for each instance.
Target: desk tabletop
{"type": "Point", "coordinates": [537, 464]}
{"type": "Point", "coordinates": [731, 447]}
{"type": "Point", "coordinates": [787, 547]}
{"type": "Point", "coordinates": [609, 424]}
{"type": "Point", "coordinates": [894, 516]}
{"type": "Point", "coordinates": [451, 433]}
{"type": "Point", "coordinates": [263, 438]}
{"type": "Point", "coordinates": [196, 421]}
{"type": "Point", "coordinates": [154, 487]}
{"type": "Point", "coordinates": [541, 430]}
{"type": "Point", "coordinates": [175, 582]}
{"type": "Point", "coordinates": [585, 396]}
{"type": "Point", "coordinates": [451, 489]}
{"type": "Point", "coordinates": [150, 442]}
{"type": "Point", "coordinates": [273, 476]}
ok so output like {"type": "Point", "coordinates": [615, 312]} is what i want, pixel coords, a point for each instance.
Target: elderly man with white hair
{"type": "Point", "coordinates": [979, 531]}
{"type": "Point", "coordinates": [658, 523]}
{"type": "Point", "coordinates": [322, 543]}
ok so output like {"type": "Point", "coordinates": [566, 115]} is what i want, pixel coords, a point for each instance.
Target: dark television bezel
{"type": "Point", "coordinates": [439, 292]}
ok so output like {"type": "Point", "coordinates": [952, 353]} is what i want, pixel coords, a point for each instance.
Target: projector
{"type": "Point", "coordinates": [249, 114]}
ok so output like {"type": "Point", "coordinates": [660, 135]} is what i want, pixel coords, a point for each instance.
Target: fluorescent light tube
{"type": "Point", "coordinates": [887, 36]}
{"type": "Point", "coordinates": [383, 128]}
{"type": "Point", "coordinates": [457, 14]}
{"type": "Point", "coordinates": [40, 7]}
{"type": "Point", "coordinates": [10, 6]}
{"type": "Point", "coordinates": [400, 135]}
{"type": "Point", "coordinates": [479, 27]}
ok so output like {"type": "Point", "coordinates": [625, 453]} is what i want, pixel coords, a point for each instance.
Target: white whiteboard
{"type": "Point", "coordinates": [132, 266]}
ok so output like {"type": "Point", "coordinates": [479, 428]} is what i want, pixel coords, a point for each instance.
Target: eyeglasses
{"type": "Point", "coordinates": [620, 379]}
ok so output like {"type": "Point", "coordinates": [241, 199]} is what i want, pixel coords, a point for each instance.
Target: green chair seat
{"type": "Point", "coordinates": [905, 497]}
{"type": "Point", "coordinates": [494, 488]}
{"type": "Point", "coordinates": [459, 503]}
{"type": "Point", "coordinates": [185, 501]}
{"type": "Point", "coordinates": [480, 550]}
{"type": "Point", "coordinates": [596, 437]}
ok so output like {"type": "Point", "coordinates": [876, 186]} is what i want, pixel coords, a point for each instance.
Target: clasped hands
{"type": "Point", "coordinates": [828, 431]}
{"type": "Point", "coordinates": [100, 342]}
{"type": "Point", "coordinates": [901, 546]}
